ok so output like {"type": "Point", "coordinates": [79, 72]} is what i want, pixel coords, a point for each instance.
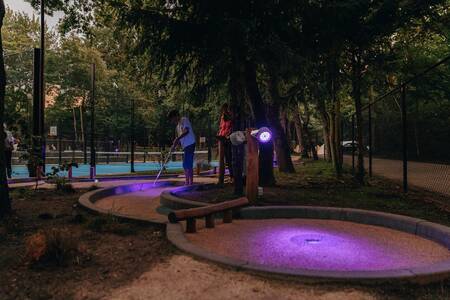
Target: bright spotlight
{"type": "Point", "coordinates": [264, 135]}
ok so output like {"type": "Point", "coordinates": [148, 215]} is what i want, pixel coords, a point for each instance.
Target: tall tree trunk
{"type": "Point", "coordinates": [311, 144]}
{"type": "Point", "coordinates": [298, 128]}
{"type": "Point", "coordinates": [5, 201]}
{"type": "Point", "coordinates": [326, 127]}
{"type": "Point", "coordinates": [356, 93]}
{"type": "Point", "coordinates": [282, 148]}
{"type": "Point", "coordinates": [286, 126]}
{"type": "Point", "coordinates": [266, 175]}
{"type": "Point", "coordinates": [237, 103]}
{"type": "Point", "coordinates": [281, 144]}
{"type": "Point", "coordinates": [335, 127]}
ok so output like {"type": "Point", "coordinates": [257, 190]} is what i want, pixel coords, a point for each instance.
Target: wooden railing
{"type": "Point", "coordinates": [208, 212]}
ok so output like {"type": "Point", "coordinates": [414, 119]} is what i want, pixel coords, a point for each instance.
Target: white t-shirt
{"type": "Point", "coordinates": [189, 139]}
{"type": "Point", "coordinates": [9, 141]}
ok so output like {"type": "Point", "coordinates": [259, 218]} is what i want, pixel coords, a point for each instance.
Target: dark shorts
{"type": "Point", "coordinates": [188, 157]}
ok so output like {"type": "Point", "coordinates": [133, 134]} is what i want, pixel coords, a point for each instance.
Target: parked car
{"type": "Point", "coordinates": [347, 146]}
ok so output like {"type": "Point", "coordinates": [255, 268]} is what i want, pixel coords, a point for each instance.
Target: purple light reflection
{"type": "Point", "coordinates": [320, 245]}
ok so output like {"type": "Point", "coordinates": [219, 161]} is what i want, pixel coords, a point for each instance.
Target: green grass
{"type": "Point", "coordinates": [315, 184]}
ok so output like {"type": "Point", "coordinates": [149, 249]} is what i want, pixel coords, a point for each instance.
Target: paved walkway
{"type": "Point", "coordinates": [432, 177]}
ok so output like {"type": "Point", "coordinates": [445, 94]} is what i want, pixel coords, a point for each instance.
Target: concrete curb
{"type": "Point", "coordinates": [428, 230]}
{"type": "Point", "coordinates": [88, 200]}
{"type": "Point", "coordinates": [170, 200]}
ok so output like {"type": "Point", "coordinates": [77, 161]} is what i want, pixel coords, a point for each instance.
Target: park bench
{"type": "Point", "coordinates": [208, 212]}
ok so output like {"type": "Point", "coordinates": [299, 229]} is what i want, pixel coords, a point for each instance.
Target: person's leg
{"type": "Point", "coordinates": [228, 157]}
{"type": "Point", "coordinates": [185, 166]}
{"type": "Point", "coordinates": [190, 150]}
{"type": "Point", "coordinates": [186, 176]}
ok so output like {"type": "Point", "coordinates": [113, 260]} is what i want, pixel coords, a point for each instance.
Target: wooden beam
{"type": "Point", "coordinates": [186, 214]}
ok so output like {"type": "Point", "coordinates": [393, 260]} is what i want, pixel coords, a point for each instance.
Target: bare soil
{"type": "Point", "coordinates": [111, 253]}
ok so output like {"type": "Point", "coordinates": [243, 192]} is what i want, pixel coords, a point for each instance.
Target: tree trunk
{"type": "Point", "coordinates": [310, 143]}
{"type": "Point", "coordinates": [356, 92]}
{"type": "Point", "coordinates": [237, 93]}
{"type": "Point", "coordinates": [326, 127]}
{"type": "Point", "coordinates": [286, 127]}
{"type": "Point", "coordinates": [298, 129]}
{"type": "Point", "coordinates": [280, 141]}
{"type": "Point", "coordinates": [266, 175]}
{"type": "Point", "coordinates": [282, 148]}
{"type": "Point", "coordinates": [5, 201]}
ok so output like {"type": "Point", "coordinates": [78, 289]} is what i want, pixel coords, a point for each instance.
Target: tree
{"type": "Point", "coordinates": [5, 202]}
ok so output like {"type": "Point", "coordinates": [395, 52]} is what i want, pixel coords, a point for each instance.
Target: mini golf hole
{"type": "Point", "coordinates": [301, 240]}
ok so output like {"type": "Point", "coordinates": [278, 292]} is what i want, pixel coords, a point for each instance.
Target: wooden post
{"type": "Point", "coordinates": [191, 225]}
{"type": "Point", "coordinates": [209, 221]}
{"type": "Point", "coordinates": [199, 168]}
{"type": "Point", "coordinates": [252, 168]}
{"type": "Point", "coordinates": [228, 216]}
{"type": "Point", "coordinates": [221, 162]}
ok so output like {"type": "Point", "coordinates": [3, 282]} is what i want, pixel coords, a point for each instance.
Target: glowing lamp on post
{"type": "Point", "coordinates": [263, 135]}
{"type": "Point", "coordinates": [252, 137]}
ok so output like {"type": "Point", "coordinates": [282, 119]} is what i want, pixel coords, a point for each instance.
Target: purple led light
{"type": "Point", "coordinates": [265, 136]}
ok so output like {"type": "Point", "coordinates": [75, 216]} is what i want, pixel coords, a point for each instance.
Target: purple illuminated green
{"type": "Point", "coordinates": [324, 245]}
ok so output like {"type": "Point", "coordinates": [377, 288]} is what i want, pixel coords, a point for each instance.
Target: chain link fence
{"type": "Point", "coordinates": [407, 132]}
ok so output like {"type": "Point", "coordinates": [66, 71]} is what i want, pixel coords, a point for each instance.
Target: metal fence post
{"type": "Point", "coordinates": [404, 138]}
{"type": "Point", "coordinates": [42, 85]}
{"type": "Point", "coordinates": [370, 140]}
{"type": "Point", "coordinates": [353, 144]}
{"type": "Point", "coordinates": [132, 135]}
{"type": "Point", "coordinates": [93, 163]}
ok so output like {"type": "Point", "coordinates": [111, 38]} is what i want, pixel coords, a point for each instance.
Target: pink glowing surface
{"type": "Point", "coordinates": [320, 245]}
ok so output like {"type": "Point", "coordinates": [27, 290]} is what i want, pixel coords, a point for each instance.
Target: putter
{"type": "Point", "coordinates": [163, 166]}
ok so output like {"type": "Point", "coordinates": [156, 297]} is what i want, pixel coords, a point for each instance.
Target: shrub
{"type": "Point", "coordinates": [51, 247]}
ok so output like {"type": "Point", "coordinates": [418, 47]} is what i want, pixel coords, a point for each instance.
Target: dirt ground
{"type": "Point", "coordinates": [129, 261]}
{"type": "Point", "coordinates": [111, 254]}
{"type": "Point", "coordinates": [182, 275]}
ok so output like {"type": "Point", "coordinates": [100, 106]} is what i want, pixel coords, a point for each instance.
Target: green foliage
{"type": "Point", "coordinates": [57, 176]}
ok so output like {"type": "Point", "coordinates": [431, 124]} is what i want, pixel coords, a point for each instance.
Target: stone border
{"type": "Point", "coordinates": [422, 228]}
{"type": "Point", "coordinates": [88, 199]}
{"type": "Point", "coordinates": [170, 200]}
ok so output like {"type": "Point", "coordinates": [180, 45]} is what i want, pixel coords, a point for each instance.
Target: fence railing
{"type": "Point", "coordinates": [407, 133]}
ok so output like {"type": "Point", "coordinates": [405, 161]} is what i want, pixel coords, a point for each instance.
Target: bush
{"type": "Point", "coordinates": [51, 247]}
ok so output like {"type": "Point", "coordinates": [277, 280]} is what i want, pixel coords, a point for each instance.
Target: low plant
{"type": "Point", "coordinates": [52, 247]}
{"type": "Point", "coordinates": [110, 224]}
{"type": "Point", "coordinates": [58, 177]}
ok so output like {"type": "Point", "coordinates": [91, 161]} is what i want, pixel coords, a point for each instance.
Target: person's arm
{"type": "Point", "coordinates": [177, 140]}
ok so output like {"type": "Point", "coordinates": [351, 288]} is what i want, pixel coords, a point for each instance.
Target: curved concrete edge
{"type": "Point", "coordinates": [88, 199]}
{"type": "Point", "coordinates": [432, 231]}
{"type": "Point", "coordinates": [422, 275]}
{"type": "Point", "coordinates": [170, 200]}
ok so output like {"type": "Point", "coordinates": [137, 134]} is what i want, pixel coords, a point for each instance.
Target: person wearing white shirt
{"type": "Point", "coordinates": [185, 136]}
{"type": "Point", "coordinates": [9, 147]}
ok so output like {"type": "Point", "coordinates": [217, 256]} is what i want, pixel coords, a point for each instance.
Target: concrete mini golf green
{"type": "Point", "coordinates": [325, 243]}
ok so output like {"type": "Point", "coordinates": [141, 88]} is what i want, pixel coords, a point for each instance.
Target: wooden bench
{"type": "Point", "coordinates": [190, 215]}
